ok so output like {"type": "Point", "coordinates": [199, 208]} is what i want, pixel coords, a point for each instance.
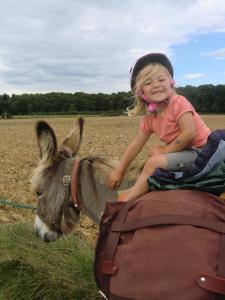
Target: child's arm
{"type": "Point", "coordinates": [186, 136]}
{"type": "Point", "coordinates": [129, 155]}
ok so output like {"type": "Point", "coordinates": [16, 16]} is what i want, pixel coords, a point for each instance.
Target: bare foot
{"type": "Point", "coordinates": [124, 195]}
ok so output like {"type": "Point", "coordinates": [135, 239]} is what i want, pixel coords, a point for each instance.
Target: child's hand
{"type": "Point", "coordinates": [114, 179]}
{"type": "Point", "coordinates": [156, 150]}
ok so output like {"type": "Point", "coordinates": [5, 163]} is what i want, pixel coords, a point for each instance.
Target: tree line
{"type": "Point", "coordinates": [205, 98]}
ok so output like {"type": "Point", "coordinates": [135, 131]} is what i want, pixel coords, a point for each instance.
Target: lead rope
{"type": "Point", "coordinates": [5, 202]}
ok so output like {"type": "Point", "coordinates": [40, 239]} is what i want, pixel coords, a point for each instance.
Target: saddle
{"type": "Point", "coordinates": [163, 245]}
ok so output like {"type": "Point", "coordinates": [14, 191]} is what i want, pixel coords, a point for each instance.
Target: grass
{"type": "Point", "coordinates": [32, 269]}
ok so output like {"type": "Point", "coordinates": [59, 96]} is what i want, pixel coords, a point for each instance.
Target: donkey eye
{"type": "Point", "coordinates": [38, 193]}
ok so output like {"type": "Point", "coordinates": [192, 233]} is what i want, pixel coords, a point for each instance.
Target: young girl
{"type": "Point", "coordinates": [168, 115]}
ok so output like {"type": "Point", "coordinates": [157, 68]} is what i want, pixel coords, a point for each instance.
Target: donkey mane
{"type": "Point", "coordinates": [99, 167]}
{"type": "Point", "coordinates": [94, 166]}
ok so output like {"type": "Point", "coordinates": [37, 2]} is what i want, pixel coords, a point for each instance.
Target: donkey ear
{"type": "Point", "coordinates": [71, 145]}
{"type": "Point", "coordinates": [47, 141]}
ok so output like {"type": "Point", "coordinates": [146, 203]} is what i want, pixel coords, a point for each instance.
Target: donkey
{"type": "Point", "coordinates": [66, 184]}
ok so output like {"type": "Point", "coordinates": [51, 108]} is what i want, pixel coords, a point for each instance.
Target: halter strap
{"type": "Point", "coordinates": [70, 181]}
{"type": "Point", "coordinates": [74, 184]}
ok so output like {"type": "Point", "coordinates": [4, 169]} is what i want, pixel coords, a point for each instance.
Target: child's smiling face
{"type": "Point", "coordinates": [158, 87]}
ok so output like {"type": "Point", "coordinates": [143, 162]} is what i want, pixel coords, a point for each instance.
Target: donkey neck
{"type": "Point", "coordinates": [92, 190]}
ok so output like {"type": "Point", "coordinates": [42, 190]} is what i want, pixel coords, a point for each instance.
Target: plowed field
{"type": "Point", "coordinates": [19, 154]}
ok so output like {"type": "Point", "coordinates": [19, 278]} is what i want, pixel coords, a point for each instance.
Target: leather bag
{"type": "Point", "coordinates": [164, 245]}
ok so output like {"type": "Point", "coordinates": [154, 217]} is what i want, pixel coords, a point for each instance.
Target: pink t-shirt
{"type": "Point", "coordinates": [165, 125]}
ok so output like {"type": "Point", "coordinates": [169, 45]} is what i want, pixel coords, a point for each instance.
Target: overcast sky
{"type": "Point", "coordinates": [90, 46]}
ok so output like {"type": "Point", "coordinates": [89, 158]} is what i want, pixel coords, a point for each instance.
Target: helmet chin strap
{"type": "Point", "coordinates": [151, 105]}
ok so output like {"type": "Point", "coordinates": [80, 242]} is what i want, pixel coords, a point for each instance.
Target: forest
{"type": "Point", "coordinates": [206, 98]}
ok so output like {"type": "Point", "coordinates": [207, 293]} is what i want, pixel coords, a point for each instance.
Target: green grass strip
{"type": "Point", "coordinates": [32, 269]}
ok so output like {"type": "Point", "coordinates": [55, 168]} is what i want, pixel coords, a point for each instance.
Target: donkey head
{"type": "Point", "coordinates": [55, 213]}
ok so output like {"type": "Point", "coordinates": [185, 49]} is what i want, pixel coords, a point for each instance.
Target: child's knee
{"type": "Point", "coordinates": [156, 161]}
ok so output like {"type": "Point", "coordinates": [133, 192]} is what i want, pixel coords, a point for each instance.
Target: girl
{"type": "Point", "coordinates": [168, 115]}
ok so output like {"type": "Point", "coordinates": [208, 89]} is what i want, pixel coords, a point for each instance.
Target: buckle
{"type": "Point", "coordinates": [66, 179]}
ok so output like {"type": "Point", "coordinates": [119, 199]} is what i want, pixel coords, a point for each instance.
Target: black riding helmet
{"type": "Point", "coordinates": [148, 59]}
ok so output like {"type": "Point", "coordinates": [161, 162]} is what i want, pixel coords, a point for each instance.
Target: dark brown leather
{"type": "Point", "coordinates": [109, 267]}
{"type": "Point", "coordinates": [212, 283]}
{"type": "Point", "coordinates": [221, 264]}
{"type": "Point", "coordinates": [110, 243]}
{"type": "Point", "coordinates": [221, 257]}
{"type": "Point", "coordinates": [114, 297]}
{"type": "Point", "coordinates": [167, 220]}
{"type": "Point", "coordinates": [162, 260]}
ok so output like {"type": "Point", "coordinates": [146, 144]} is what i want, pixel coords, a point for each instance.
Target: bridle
{"type": "Point", "coordinates": [70, 182]}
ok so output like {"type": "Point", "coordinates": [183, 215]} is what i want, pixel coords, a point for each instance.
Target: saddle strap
{"type": "Point", "coordinates": [112, 242]}
{"type": "Point", "coordinates": [212, 283]}
{"type": "Point", "coordinates": [150, 221]}
{"type": "Point", "coordinates": [221, 264]}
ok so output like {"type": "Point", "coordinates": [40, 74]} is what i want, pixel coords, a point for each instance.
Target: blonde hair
{"type": "Point", "coordinates": [139, 107]}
